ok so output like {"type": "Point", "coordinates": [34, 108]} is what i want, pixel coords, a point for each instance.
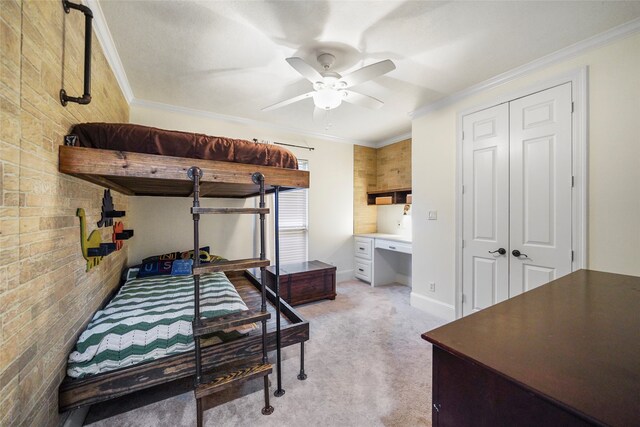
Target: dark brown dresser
{"type": "Point", "coordinates": [564, 354]}
{"type": "Point", "coordinates": [303, 282]}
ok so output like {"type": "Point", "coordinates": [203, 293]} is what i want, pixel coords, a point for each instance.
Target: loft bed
{"type": "Point", "coordinates": [153, 173]}
{"type": "Point", "coordinates": [155, 169]}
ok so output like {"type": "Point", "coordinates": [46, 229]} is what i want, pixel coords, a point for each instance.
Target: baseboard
{"type": "Point", "coordinates": [344, 275]}
{"type": "Point", "coordinates": [432, 306]}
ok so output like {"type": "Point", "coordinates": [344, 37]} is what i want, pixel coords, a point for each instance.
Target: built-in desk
{"type": "Point", "coordinates": [383, 258]}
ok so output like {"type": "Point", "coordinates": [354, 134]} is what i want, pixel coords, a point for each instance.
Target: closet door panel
{"type": "Point", "coordinates": [485, 207]}
{"type": "Point", "coordinates": [540, 188]}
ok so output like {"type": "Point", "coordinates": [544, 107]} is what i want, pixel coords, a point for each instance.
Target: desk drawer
{"type": "Point", "coordinates": [364, 247]}
{"type": "Point", "coordinates": [363, 270]}
{"type": "Point", "coordinates": [391, 245]}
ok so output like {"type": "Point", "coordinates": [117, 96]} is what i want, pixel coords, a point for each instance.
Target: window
{"type": "Point", "coordinates": [294, 223]}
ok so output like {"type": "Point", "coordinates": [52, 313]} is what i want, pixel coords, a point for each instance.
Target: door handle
{"type": "Point", "coordinates": [516, 253]}
{"type": "Point", "coordinates": [501, 251]}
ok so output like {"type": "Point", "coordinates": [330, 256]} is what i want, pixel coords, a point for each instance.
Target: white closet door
{"type": "Point", "coordinates": [485, 208]}
{"type": "Point", "coordinates": [540, 196]}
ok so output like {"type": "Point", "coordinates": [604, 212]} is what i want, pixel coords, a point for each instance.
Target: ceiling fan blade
{"type": "Point", "coordinates": [307, 71]}
{"type": "Point", "coordinates": [288, 101]}
{"type": "Point", "coordinates": [367, 73]}
{"type": "Point", "coordinates": [362, 100]}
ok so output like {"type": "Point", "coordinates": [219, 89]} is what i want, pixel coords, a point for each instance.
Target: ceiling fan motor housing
{"type": "Point", "coordinates": [326, 60]}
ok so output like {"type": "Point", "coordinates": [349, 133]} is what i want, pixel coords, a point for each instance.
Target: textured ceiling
{"type": "Point", "coordinates": [228, 57]}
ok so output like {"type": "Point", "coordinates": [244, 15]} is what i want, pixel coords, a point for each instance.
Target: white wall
{"type": "Point", "coordinates": [164, 224]}
{"type": "Point", "coordinates": [614, 172]}
{"type": "Point", "coordinates": [391, 220]}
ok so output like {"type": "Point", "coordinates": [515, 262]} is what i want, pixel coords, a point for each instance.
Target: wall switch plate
{"type": "Point", "coordinates": [433, 214]}
{"type": "Point", "coordinates": [432, 286]}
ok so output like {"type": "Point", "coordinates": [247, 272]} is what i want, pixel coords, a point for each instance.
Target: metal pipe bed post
{"type": "Point", "coordinates": [258, 178]}
{"type": "Point", "coordinates": [195, 174]}
{"type": "Point", "coordinates": [302, 376]}
{"type": "Point", "coordinates": [276, 196]}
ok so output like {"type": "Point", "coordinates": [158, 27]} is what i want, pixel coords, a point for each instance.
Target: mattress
{"type": "Point", "coordinates": [150, 318]}
{"type": "Point", "coordinates": [150, 140]}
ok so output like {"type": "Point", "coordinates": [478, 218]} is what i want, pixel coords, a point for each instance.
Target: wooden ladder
{"type": "Point", "coordinates": [245, 369]}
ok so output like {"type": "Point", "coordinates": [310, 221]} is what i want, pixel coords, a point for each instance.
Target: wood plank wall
{"type": "Point", "coordinates": [45, 294]}
{"type": "Point", "coordinates": [394, 165]}
{"type": "Point", "coordinates": [376, 169]}
{"type": "Point", "coordinates": [364, 179]}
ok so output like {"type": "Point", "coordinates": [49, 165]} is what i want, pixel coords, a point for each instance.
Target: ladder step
{"type": "Point", "coordinates": [229, 210]}
{"type": "Point", "coordinates": [220, 323]}
{"type": "Point", "coordinates": [235, 374]}
{"type": "Point", "coordinates": [238, 264]}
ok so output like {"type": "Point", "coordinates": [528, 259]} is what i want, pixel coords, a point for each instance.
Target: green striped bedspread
{"type": "Point", "coordinates": [148, 319]}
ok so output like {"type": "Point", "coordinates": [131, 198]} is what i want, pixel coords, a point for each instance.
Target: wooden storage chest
{"type": "Point", "coordinates": [304, 282]}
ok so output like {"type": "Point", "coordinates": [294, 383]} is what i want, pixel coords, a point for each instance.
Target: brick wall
{"type": "Point", "coordinates": [45, 294]}
{"type": "Point", "coordinates": [384, 168]}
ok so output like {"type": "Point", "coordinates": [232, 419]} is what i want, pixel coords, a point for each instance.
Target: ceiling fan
{"type": "Point", "coordinates": [330, 88]}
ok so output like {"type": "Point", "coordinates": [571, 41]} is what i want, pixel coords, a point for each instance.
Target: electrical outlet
{"type": "Point", "coordinates": [432, 286]}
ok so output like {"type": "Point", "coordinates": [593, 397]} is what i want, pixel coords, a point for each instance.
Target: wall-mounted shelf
{"type": "Point", "coordinates": [395, 196]}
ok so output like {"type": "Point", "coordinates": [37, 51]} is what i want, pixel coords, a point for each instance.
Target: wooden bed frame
{"type": "Point", "coordinates": [137, 174]}
{"type": "Point", "coordinates": [74, 393]}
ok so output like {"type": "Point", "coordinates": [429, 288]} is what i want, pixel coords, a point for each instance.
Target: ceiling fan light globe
{"type": "Point", "coordinates": [327, 99]}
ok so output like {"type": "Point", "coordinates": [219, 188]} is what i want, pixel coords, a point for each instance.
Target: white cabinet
{"type": "Point", "coordinates": [363, 251]}
{"type": "Point", "coordinates": [392, 245]}
{"type": "Point", "coordinates": [364, 247]}
{"type": "Point", "coordinates": [363, 269]}
{"type": "Point", "coordinates": [382, 260]}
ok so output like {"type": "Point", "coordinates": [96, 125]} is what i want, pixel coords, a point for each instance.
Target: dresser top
{"type": "Point", "coordinates": [575, 341]}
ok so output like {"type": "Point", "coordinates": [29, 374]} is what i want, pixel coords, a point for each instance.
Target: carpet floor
{"type": "Point", "coordinates": [365, 361]}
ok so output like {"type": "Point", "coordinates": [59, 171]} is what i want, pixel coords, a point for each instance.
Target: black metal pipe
{"type": "Point", "coordinates": [276, 196]}
{"type": "Point", "coordinates": [283, 143]}
{"type": "Point", "coordinates": [258, 178]}
{"type": "Point", "coordinates": [88, 17]}
{"type": "Point", "coordinates": [195, 174]}
{"type": "Point", "coordinates": [268, 409]}
{"type": "Point", "coordinates": [199, 413]}
{"type": "Point", "coordinates": [302, 376]}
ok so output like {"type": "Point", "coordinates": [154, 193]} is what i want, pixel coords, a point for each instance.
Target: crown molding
{"type": "Point", "coordinates": [598, 40]}
{"type": "Point", "coordinates": [109, 48]}
{"type": "Point", "coordinates": [247, 122]}
{"type": "Point", "coordinates": [393, 140]}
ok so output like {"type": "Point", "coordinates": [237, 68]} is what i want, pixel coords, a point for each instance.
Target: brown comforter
{"type": "Point", "coordinates": [144, 139]}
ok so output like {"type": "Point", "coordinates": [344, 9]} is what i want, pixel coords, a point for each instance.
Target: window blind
{"type": "Point", "coordinates": [294, 223]}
